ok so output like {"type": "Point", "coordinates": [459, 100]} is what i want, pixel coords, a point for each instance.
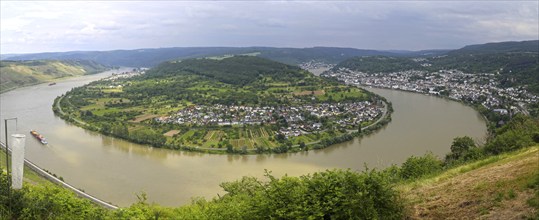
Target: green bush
{"type": "Point", "coordinates": [518, 133]}
{"type": "Point", "coordinates": [45, 201]}
{"type": "Point", "coordinates": [416, 167]}
{"type": "Point", "coordinates": [463, 149]}
{"type": "Point", "coordinates": [335, 194]}
{"type": "Point", "coordinates": [332, 194]}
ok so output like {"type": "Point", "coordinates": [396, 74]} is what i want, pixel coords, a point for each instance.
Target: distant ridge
{"type": "Point", "coordinates": [149, 57]}
{"type": "Point", "coordinates": [500, 47]}
{"type": "Point", "coordinates": [153, 56]}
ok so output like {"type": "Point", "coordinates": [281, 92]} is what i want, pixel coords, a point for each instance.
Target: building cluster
{"type": "Point", "coordinates": [295, 120]}
{"type": "Point", "coordinates": [475, 88]}
{"type": "Point", "coordinates": [312, 64]}
{"type": "Point", "coordinates": [127, 74]}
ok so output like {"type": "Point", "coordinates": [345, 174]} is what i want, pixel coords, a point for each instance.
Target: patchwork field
{"type": "Point", "coordinates": [237, 137]}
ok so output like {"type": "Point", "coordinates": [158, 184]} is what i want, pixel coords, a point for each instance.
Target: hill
{"type": "Point", "coordinates": [531, 46]}
{"type": "Point", "coordinates": [238, 70]}
{"type": "Point", "coordinates": [153, 56]}
{"type": "Point", "coordinates": [239, 104]}
{"type": "Point", "coordinates": [16, 74]}
{"type": "Point", "coordinates": [147, 57]}
{"type": "Point", "coordinates": [516, 62]}
{"type": "Point", "coordinates": [329, 55]}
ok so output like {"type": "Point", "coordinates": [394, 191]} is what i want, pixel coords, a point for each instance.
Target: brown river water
{"type": "Point", "coordinates": [115, 170]}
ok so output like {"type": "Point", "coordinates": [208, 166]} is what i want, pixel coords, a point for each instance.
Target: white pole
{"type": "Point", "coordinates": [17, 160]}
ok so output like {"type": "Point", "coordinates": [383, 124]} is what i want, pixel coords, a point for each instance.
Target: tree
{"type": "Point", "coordinates": [280, 137]}
{"type": "Point", "coordinates": [147, 136]}
{"type": "Point", "coordinates": [229, 148]}
{"type": "Point", "coordinates": [460, 146]}
{"type": "Point", "coordinates": [120, 130]}
{"type": "Point", "coordinates": [536, 137]}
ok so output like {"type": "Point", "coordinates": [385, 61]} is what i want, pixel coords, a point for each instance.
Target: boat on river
{"type": "Point", "coordinates": [39, 137]}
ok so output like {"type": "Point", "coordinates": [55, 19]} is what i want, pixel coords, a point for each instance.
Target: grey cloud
{"type": "Point", "coordinates": [362, 24]}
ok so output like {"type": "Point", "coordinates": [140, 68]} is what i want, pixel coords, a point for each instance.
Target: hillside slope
{"type": "Point", "coordinates": [16, 74]}
{"type": "Point", "coordinates": [493, 188]}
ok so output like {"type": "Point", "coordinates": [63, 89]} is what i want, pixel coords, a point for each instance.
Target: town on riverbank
{"type": "Point", "coordinates": [476, 89]}
{"type": "Point", "coordinates": [296, 120]}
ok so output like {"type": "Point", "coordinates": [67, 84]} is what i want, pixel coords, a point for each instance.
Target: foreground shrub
{"type": "Point", "coordinates": [463, 149]}
{"type": "Point", "coordinates": [416, 167]}
{"type": "Point", "coordinates": [45, 201]}
{"type": "Point", "coordinates": [335, 194]}
{"type": "Point", "coordinates": [520, 132]}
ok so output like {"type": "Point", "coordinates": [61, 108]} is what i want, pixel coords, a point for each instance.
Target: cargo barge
{"type": "Point", "coordinates": [39, 137]}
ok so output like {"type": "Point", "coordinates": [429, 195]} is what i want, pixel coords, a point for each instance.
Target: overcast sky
{"type": "Point", "coordinates": [28, 27]}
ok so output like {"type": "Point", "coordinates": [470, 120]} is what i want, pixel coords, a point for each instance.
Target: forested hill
{"type": "Point", "coordinates": [517, 62]}
{"type": "Point", "coordinates": [330, 55]}
{"type": "Point", "coordinates": [237, 70]}
{"type": "Point", "coordinates": [500, 47]}
{"type": "Point", "coordinates": [15, 74]}
{"type": "Point", "coordinates": [505, 57]}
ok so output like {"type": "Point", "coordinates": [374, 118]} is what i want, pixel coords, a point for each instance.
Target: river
{"type": "Point", "coordinates": [115, 170]}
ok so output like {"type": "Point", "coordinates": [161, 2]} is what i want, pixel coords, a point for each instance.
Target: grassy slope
{"type": "Point", "coordinates": [493, 188]}
{"type": "Point", "coordinates": [16, 74]}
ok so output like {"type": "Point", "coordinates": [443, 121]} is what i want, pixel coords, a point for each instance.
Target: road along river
{"type": "Point", "coordinates": [115, 170]}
